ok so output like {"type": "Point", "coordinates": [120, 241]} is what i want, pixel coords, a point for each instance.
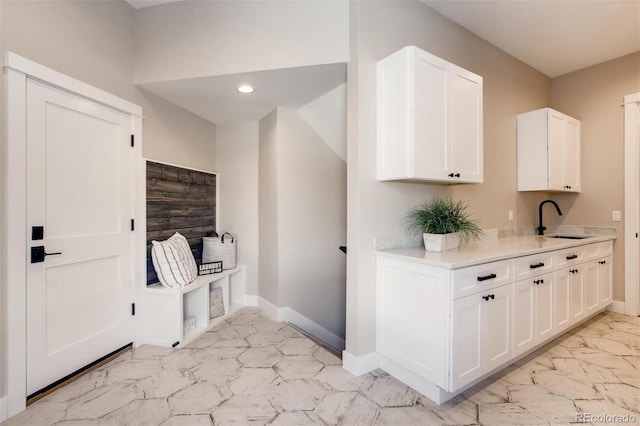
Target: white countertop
{"type": "Point", "coordinates": [489, 250]}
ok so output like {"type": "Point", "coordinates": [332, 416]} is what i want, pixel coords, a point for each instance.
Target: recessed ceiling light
{"type": "Point", "coordinates": [246, 89]}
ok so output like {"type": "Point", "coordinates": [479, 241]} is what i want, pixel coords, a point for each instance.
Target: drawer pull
{"type": "Point", "coordinates": [537, 265]}
{"type": "Point", "coordinates": [487, 277]}
{"type": "Point", "coordinates": [573, 256]}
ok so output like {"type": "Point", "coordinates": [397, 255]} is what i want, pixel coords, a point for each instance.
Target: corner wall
{"type": "Point", "coordinates": [268, 266]}
{"type": "Point", "coordinates": [237, 167]}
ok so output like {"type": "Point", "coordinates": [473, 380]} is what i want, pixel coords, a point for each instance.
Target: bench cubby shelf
{"type": "Point", "coordinates": [166, 309]}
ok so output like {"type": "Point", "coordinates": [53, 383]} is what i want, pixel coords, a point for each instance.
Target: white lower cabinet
{"type": "Point", "coordinates": [598, 284]}
{"type": "Point", "coordinates": [481, 334]}
{"type": "Point", "coordinates": [445, 328]}
{"type": "Point", "coordinates": [533, 313]}
{"type": "Point", "coordinates": [570, 296]}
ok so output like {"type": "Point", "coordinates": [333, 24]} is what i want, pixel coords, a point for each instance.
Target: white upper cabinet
{"type": "Point", "coordinates": [548, 151]}
{"type": "Point", "coordinates": [429, 119]}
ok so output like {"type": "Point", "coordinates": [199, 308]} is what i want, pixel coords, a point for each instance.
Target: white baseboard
{"type": "Point", "coordinates": [3, 409]}
{"type": "Point", "coordinates": [359, 365]}
{"type": "Point", "coordinates": [250, 300]}
{"type": "Point", "coordinates": [616, 306]}
{"type": "Point", "coordinates": [294, 317]}
{"type": "Point", "coordinates": [311, 327]}
{"type": "Point", "coordinates": [269, 309]}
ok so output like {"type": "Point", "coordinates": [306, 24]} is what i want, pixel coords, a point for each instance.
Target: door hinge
{"type": "Point", "coordinates": [133, 224]}
{"type": "Point", "coordinates": [132, 141]}
{"type": "Point", "coordinates": [133, 309]}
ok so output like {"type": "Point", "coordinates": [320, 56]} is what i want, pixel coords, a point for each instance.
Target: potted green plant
{"type": "Point", "coordinates": [444, 224]}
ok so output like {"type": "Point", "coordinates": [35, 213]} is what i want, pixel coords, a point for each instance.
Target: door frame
{"type": "Point", "coordinates": [631, 204]}
{"type": "Point", "coordinates": [17, 70]}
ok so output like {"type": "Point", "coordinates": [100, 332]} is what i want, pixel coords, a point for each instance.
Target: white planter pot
{"type": "Point", "coordinates": [441, 242]}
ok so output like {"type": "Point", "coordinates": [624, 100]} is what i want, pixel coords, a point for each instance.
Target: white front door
{"type": "Point", "coordinates": [80, 191]}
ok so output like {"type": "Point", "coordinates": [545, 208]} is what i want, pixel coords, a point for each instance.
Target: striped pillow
{"type": "Point", "coordinates": [173, 261]}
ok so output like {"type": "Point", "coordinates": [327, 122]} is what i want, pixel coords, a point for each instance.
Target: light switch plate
{"type": "Point", "coordinates": [615, 215]}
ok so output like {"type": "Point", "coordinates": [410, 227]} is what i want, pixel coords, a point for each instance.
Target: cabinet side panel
{"type": "Point", "coordinates": [532, 151]}
{"type": "Point", "coordinates": [393, 109]}
{"type": "Point", "coordinates": [411, 328]}
{"type": "Point", "coordinates": [430, 117]}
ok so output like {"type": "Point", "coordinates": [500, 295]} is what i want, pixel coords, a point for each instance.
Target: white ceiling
{"type": "Point", "coordinates": [553, 36]}
{"type": "Point", "coordinates": [216, 99]}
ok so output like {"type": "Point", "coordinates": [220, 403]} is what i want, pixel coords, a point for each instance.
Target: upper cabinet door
{"type": "Point", "coordinates": [555, 149]}
{"type": "Point", "coordinates": [430, 155]}
{"type": "Point", "coordinates": [572, 154]}
{"type": "Point", "coordinates": [548, 151]}
{"type": "Point", "coordinates": [429, 119]}
{"type": "Point", "coordinates": [465, 124]}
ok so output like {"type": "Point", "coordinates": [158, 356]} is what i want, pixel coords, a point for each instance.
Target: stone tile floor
{"type": "Point", "coordinates": [251, 370]}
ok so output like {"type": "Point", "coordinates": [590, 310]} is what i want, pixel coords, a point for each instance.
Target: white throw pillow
{"type": "Point", "coordinates": [173, 261]}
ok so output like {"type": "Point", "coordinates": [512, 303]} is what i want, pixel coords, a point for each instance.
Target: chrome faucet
{"type": "Point", "coordinates": [540, 227]}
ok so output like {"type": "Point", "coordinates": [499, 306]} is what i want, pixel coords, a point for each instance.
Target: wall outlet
{"type": "Point", "coordinates": [510, 214]}
{"type": "Point", "coordinates": [615, 216]}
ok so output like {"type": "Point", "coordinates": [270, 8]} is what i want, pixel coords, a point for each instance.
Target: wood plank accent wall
{"type": "Point", "coordinates": [179, 200]}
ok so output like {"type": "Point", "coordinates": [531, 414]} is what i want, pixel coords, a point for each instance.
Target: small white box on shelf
{"type": "Point", "coordinates": [189, 324]}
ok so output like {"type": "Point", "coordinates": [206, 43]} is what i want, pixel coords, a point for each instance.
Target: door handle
{"type": "Point", "coordinates": [38, 254]}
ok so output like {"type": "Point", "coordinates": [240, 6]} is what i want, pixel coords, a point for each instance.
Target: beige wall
{"type": "Point", "coordinates": [377, 208]}
{"type": "Point", "coordinates": [594, 96]}
{"type": "Point", "coordinates": [268, 208]}
{"type": "Point", "coordinates": [201, 38]}
{"type": "Point", "coordinates": [302, 221]}
{"type": "Point", "coordinates": [237, 167]}
{"type": "Point", "coordinates": [312, 203]}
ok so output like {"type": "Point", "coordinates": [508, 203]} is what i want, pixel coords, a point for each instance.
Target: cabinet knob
{"type": "Point", "coordinates": [457, 175]}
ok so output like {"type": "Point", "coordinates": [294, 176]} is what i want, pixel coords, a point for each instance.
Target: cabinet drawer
{"type": "Point", "coordinates": [536, 264]}
{"type": "Point", "coordinates": [569, 257]}
{"type": "Point", "coordinates": [481, 277]}
{"type": "Point", "coordinates": [593, 251]}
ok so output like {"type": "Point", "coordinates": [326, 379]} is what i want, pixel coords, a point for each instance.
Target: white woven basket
{"type": "Point", "coordinates": [220, 248]}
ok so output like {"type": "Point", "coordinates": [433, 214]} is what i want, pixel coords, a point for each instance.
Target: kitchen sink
{"type": "Point", "coordinates": [569, 237]}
